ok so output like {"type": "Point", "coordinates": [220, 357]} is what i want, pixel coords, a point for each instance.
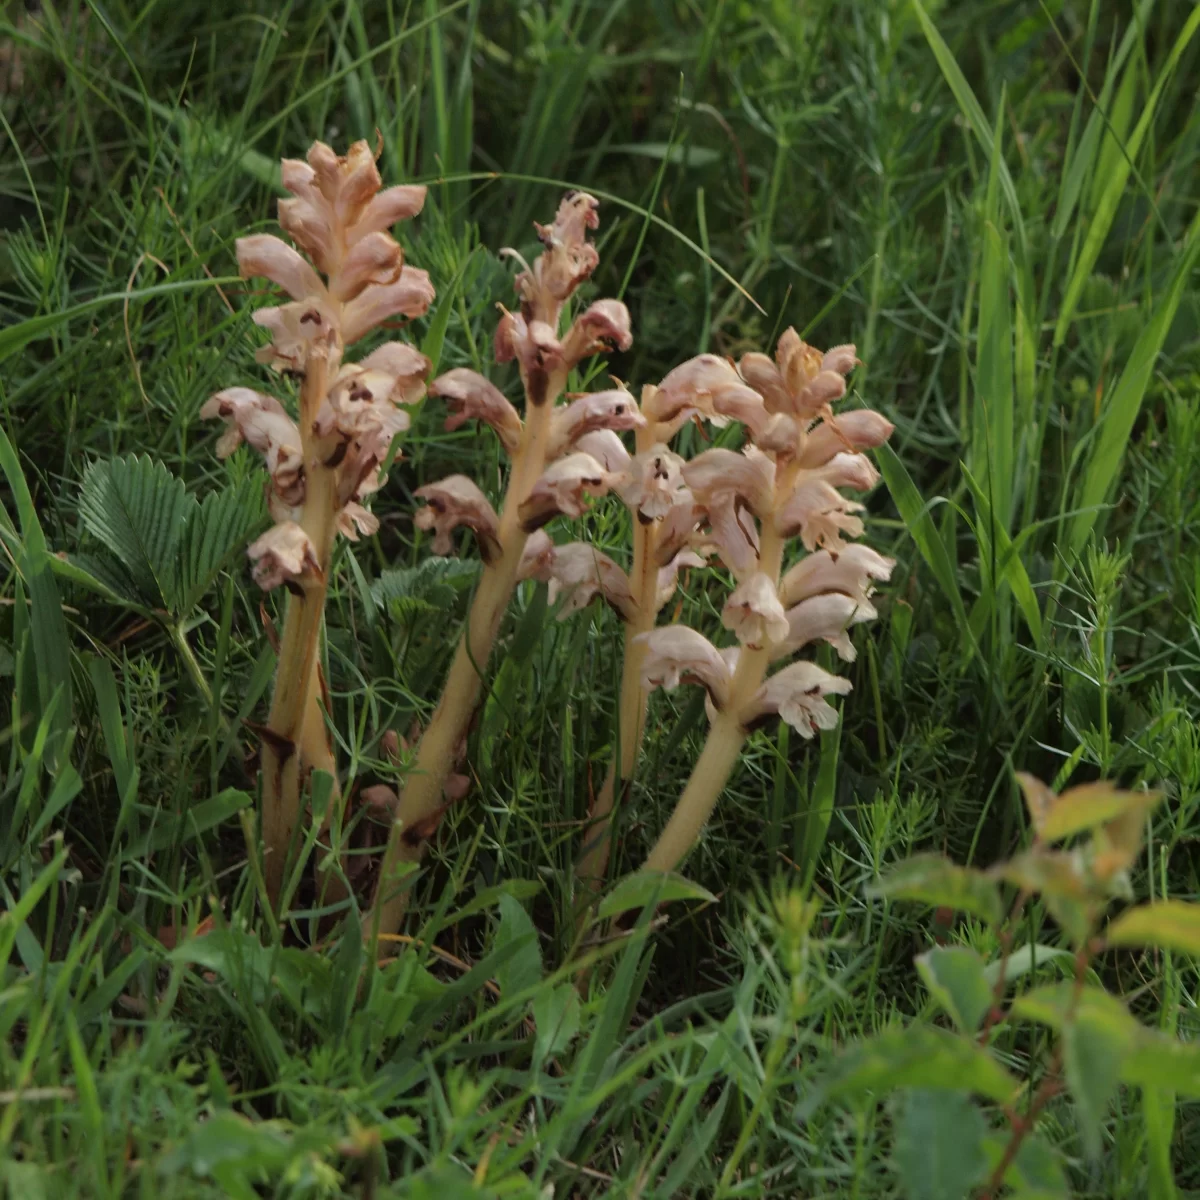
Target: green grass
{"type": "Point", "coordinates": [996, 201]}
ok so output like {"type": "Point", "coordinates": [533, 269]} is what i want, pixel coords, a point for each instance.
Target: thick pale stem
{"type": "Point", "coordinates": [695, 806]}
{"type": "Point", "coordinates": [421, 800]}
{"type": "Point", "coordinates": [283, 750]}
{"type": "Point", "coordinates": [725, 738]}
{"type": "Point", "coordinates": [280, 749]}
{"type": "Point", "coordinates": [631, 713]}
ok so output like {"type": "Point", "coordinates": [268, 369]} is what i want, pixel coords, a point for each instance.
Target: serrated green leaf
{"type": "Point", "coordinates": [103, 575]}
{"type": "Point", "coordinates": [433, 585]}
{"type": "Point", "coordinates": [940, 1145]}
{"type": "Point", "coordinates": [919, 1056]}
{"type": "Point", "coordinates": [217, 528]}
{"type": "Point", "coordinates": [957, 978]}
{"type": "Point", "coordinates": [932, 879]}
{"type": "Point", "coordinates": [1170, 924]}
{"type": "Point", "coordinates": [649, 887]}
{"type": "Point", "coordinates": [137, 509]}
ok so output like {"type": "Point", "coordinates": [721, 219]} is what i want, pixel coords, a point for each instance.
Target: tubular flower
{"type": "Point", "coordinates": [797, 694]}
{"type": "Point", "coordinates": [825, 617]}
{"type": "Point", "coordinates": [614, 410]}
{"type": "Point", "coordinates": [860, 429]}
{"type": "Point", "coordinates": [284, 554]}
{"type": "Point", "coordinates": [653, 485]}
{"type": "Point", "coordinates": [562, 488]}
{"type": "Point", "coordinates": [853, 571]}
{"type": "Point", "coordinates": [603, 326]}
{"type": "Point", "coordinates": [675, 654]}
{"type": "Point", "coordinates": [263, 423]}
{"type": "Point", "coordinates": [802, 381]}
{"type": "Point", "coordinates": [567, 260]}
{"type": "Point", "coordinates": [720, 477]}
{"type": "Point", "coordinates": [456, 501]}
{"type": "Point", "coordinates": [580, 572]}
{"type": "Point", "coordinates": [706, 386]}
{"type": "Point", "coordinates": [754, 614]}
{"type": "Point", "coordinates": [470, 397]}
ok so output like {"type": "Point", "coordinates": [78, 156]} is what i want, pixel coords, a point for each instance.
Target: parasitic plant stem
{"type": "Point", "coordinates": [631, 713]}
{"type": "Point", "coordinates": [421, 801]}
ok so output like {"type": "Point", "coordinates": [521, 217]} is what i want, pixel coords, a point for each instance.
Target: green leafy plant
{"type": "Point", "coordinates": [1086, 841]}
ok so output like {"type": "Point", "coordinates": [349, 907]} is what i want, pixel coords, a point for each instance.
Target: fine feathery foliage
{"type": "Point", "coordinates": [945, 947]}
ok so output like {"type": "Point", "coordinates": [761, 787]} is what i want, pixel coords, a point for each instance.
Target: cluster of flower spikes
{"type": "Point", "coordinates": [324, 465]}
{"type": "Point", "coordinates": [744, 508]}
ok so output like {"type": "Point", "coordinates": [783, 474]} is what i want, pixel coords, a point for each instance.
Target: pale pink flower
{"type": "Point", "coordinates": [675, 654]}
{"type": "Point", "coordinates": [677, 530]}
{"type": "Point", "coordinates": [263, 254]}
{"type": "Point", "coordinates": [263, 423]}
{"type": "Point", "coordinates": [567, 260]}
{"type": "Point", "coordinates": [754, 614]}
{"type": "Point", "coordinates": [821, 515]}
{"type": "Point", "coordinates": [406, 366]}
{"type": "Point", "coordinates": [667, 577]}
{"type": "Point", "coordinates": [375, 259]}
{"type": "Point", "coordinates": [852, 571]}
{"type": "Point", "coordinates": [410, 296]}
{"type": "Point", "coordinates": [535, 346]}
{"type": "Point", "coordinates": [732, 535]}
{"type": "Point", "coordinates": [579, 571]}
{"type": "Point", "coordinates": [825, 617]}
{"type": "Point", "coordinates": [362, 400]}
{"type": "Point", "coordinates": [797, 694]}
{"type": "Point", "coordinates": [346, 181]}
{"type": "Point", "coordinates": [604, 326]}
{"type": "Point", "coordinates": [536, 557]}
{"type": "Point", "coordinates": [296, 329]}
{"type": "Point", "coordinates": [859, 429]}
{"type": "Point", "coordinates": [470, 397]}
{"type": "Point", "coordinates": [562, 488]}
{"type": "Point", "coordinates": [653, 484]}
{"type": "Point", "coordinates": [387, 208]}
{"type": "Point", "coordinates": [284, 554]}
{"type": "Point", "coordinates": [615, 409]}
{"type": "Point", "coordinates": [456, 501]}
{"type": "Point", "coordinates": [801, 381]}
{"type": "Point", "coordinates": [849, 470]}
{"type": "Point", "coordinates": [717, 477]}
{"type": "Point", "coordinates": [607, 449]}
{"type": "Point", "coordinates": [708, 385]}
{"type": "Point", "coordinates": [354, 520]}
{"type": "Point", "coordinates": [357, 409]}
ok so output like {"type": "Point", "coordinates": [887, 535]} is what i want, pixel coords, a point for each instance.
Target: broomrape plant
{"type": "Point", "coordinates": [742, 510]}
{"type": "Point", "coordinates": [324, 464]}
